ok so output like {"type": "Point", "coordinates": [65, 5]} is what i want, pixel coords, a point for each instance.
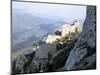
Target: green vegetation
{"type": "Point", "coordinates": [68, 38]}
{"type": "Point", "coordinates": [35, 45]}
{"type": "Point", "coordinates": [19, 52]}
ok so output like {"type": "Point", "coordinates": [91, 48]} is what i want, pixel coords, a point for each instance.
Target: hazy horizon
{"type": "Point", "coordinates": [73, 12]}
{"type": "Point", "coordinates": [30, 21]}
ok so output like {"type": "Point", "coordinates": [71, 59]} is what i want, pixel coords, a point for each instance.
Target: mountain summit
{"type": "Point", "coordinates": [62, 32]}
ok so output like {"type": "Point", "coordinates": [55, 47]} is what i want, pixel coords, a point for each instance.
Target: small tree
{"type": "Point", "coordinates": [57, 41]}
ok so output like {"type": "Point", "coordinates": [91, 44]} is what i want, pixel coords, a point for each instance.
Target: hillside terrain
{"type": "Point", "coordinates": [67, 48]}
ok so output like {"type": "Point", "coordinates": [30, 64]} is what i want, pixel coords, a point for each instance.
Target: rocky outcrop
{"type": "Point", "coordinates": [42, 57]}
{"type": "Point", "coordinates": [71, 28]}
{"type": "Point", "coordinates": [86, 63]}
{"type": "Point", "coordinates": [79, 53]}
{"type": "Point", "coordinates": [62, 32]}
{"type": "Point", "coordinates": [34, 61]}
{"type": "Point", "coordinates": [59, 58]}
{"type": "Point", "coordinates": [20, 64]}
{"type": "Point", "coordinates": [83, 55]}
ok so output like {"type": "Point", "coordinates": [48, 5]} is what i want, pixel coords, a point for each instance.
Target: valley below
{"type": "Point", "coordinates": [65, 48]}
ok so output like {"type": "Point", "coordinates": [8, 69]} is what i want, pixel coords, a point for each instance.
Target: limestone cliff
{"type": "Point", "coordinates": [83, 55]}
{"type": "Point", "coordinates": [76, 54]}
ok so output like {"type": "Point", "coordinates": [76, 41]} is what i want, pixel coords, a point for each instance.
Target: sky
{"type": "Point", "coordinates": [68, 13]}
{"type": "Point", "coordinates": [34, 20]}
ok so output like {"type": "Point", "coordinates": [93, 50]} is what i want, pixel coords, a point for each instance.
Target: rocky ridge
{"type": "Point", "coordinates": [83, 55]}
{"type": "Point", "coordinates": [78, 53]}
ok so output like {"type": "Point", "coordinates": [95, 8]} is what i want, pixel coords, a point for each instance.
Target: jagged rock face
{"type": "Point", "coordinates": [34, 61]}
{"type": "Point", "coordinates": [52, 38]}
{"type": "Point", "coordinates": [21, 62]}
{"type": "Point", "coordinates": [62, 32]}
{"type": "Point", "coordinates": [70, 28]}
{"type": "Point", "coordinates": [85, 47]}
{"type": "Point", "coordinates": [42, 52]}
{"type": "Point", "coordinates": [41, 56]}
{"type": "Point", "coordinates": [76, 55]}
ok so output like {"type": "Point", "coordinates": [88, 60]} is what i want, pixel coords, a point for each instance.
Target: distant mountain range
{"type": "Point", "coordinates": [27, 29]}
